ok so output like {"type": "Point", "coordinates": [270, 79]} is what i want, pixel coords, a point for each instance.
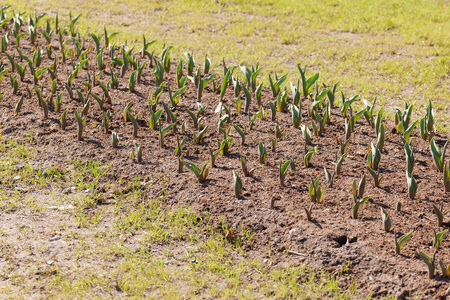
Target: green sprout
{"type": "Point", "coordinates": [315, 191]}
{"type": "Point", "coordinates": [307, 84]}
{"type": "Point", "coordinates": [283, 170]}
{"type": "Point", "coordinates": [357, 204]}
{"type": "Point", "coordinates": [275, 85]}
{"type": "Point", "coordinates": [438, 154]}
{"type": "Point", "coordinates": [237, 184]}
{"type": "Point", "coordinates": [262, 153]}
{"type": "Point", "coordinates": [309, 155]}
{"type": "Point", "coordinates": [429, 262]}
{"type": "Point", "coordinates": [387, 223]}
{"type": "Point", "coordinates": [329, 178]}
{"type": "Point", "coordinates": [399, 242]}
{"type": "Point", "coordinates": [358, 189]}
{"type": "Point", "coordinates": [81, 122]}
{"type": "Point", "coordinates": [201, 174]}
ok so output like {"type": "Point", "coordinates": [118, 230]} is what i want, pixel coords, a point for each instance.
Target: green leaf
{"type": "Point", "coordinates": [167, 128]}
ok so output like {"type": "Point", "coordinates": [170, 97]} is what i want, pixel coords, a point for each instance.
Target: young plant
{"type": "Point", "coordinates": [410, 160]}
{"type": "Point", "coordinates": [18, 106]}
{"type": "Point", "coordinates": [198, 138]}
{"type": "Point", "coordinates": [190, 63]}
{"type": "Point", "coordinates": [241, 133]}
{"type": "Point", "coordinates": [339, 162]}
{"type": "Point", "coordinates": [45, 107]}
{"type": "Point", "coordinates": [163, 132]}
{"type": "Point", "coordinates": [381, 138]}
{"type": "Point", "coordinates": [115, 139]}
{"type": "Point", "coordinates": [445, 269]}
{"type": "Point", "coordinates": [309, 155]}
{"type": "Point", "coordinates": [179, 147]}
{"type": "Point", "coordinates": [134, 121]}
{"type": "Point", "coordinates": [237, 184]}
{"type": "Point", "coordinates": [195, 118]}
{"type": "Point", "coordinates": [72, 24]}
{"type": "Point", "coordinates": [412, 185]}
{"type": "Point", "coordinates": [64, 120]}
{"type": "Point", "coordinates": [318, 131]}
{"type": "Point", "coordinates": [170, 116]}
{"type": "Point", "coordinates": [308, 212]}
{"type": "Point", "coordinates": [262, 153]}
{"type": "Point", "coordinates": [402, 119]}
{"type": "Point", "coordinates": [105, 120]}
{"type": "Point", "coordinates": [212, 157]}
{"type": "Point", "coordinates": [258, 94]}
{"type": "Point", "coordinates": [358, 189]}
{"type": "Point", "coordinates": [158, 71]}
{"type": "Point", "coordinates": [439, 214]}
{"type": "Point", "coordinates": [248, 99]}
{"type": "Point", "coordinates": [296, 115]}
{"type": "Point", "coordinates": [225, 145]}
{"type": "Point", "coordinates": [155, 119]}
{"type": "Point", "coordinates": [438, 155]}
{"type": "Point", "coordinates": [276, 85]}
{"type": "Point", "coordinates": [144, 50]}
{"type": "Point", "coordinates": [273, 110]}
{"type": "Point", "coordinates": [206, 65]}
{"type": "Point", "coordinates": [136, 149]}
{"type": "Point", "coordinates": [429, 262]}
{"type": "Point", "coordinates": [247, 172]}
{"type": "Point", "coordinates": [346, 105]}
{"type": "Point", "coordinates": [399, 242]}
{"type": "Point", "coordinates": [296, 94]}
{"type": "Point", "coordinates": [374, 157]}
{"type": "Point", "coordinates": [306, 134]}
{"type": "Point", "coordinates": [175, 98]}
{"type": "Point", "coordinates": [438, 238]}
{"type": "Point", "coordinates": [343, 145]}
{"type": "Point", "coordinates": [21, 70]}
{"type": "Point", "coordinates": [283, 170]}
{"type": "Point", "coordinates": [278, 132]}
{"type": "Point", "coordinates": [315, 191]}
{"type": "Point", "coordinates": [307, 84]}
{"type": "Point", "coordinates": [236, 86]}
{"type": "Point", "coordinates": [132, 83]}
{"type": "Point", "coordinates": [85, 110]}
{"type": "Point", "coordinates": [201, 174]}
{"type": "Point", "coordinates": [427, 124]}
{"type": "Point", "coordinates": [292, 165]}
{"type": "Point", "coordinates": [447, 178]}
{"type": "Point", "coordinates": [202, 84]}
{"type": "Point", "coordinates": [140, 70]}
{"type": "Point", "coordinates": [329, 178]}
{"type": "Point", "coordinates": [250, 75]}
{"type": "Point", "coordinates": [357, 205]}
{"type": "Point", "coordinates": [282, 105]}
{"type": "Point", "coordinates": [387, 223]}
{"type": "Point", "coordinates": [252, 119]}
{"type": "Point", "coordinates": [81, 122]}
{"type": "Point", "coordinates": [331, 94]}
{"type": "Point", "coordinates": [376, 176]}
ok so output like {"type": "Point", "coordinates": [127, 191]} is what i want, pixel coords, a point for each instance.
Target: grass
{"type": "Point", "coordinates": [132, 246]}
{"type": "Point", "coordinates": [396, 50]}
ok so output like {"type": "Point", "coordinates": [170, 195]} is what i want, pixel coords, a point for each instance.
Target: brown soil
{"type": "Point", "coordinates": [332, 240]}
